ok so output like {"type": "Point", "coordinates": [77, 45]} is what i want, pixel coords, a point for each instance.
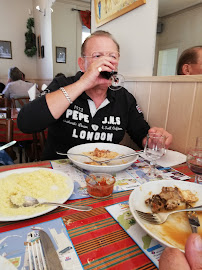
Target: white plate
{"type": "Point", "coordinates": [117, 165]}
{"type": "Point", "coordinates": [69, 182]}
{"type": "Point", "coordinates": [176, 229]}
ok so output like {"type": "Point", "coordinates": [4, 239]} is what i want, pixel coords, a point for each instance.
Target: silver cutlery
{"type": "Point", "coordinates": [159, 218]}
{"type": "Point", "coordinates": [193, 219]}
{"type": "Point", "coordinates": [30, 201]}
{"type": "Point", "coordinates": [100, 161]}
{"type": "Point", "coordinates": [7, 145]}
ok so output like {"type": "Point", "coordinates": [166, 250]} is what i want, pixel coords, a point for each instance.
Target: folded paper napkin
{"type": "Point", "coordinates": [171, 158]}
{"type": "Point", "coordinates": [43, 87]}
{"type": "Point", "coordinates": [32, 92]}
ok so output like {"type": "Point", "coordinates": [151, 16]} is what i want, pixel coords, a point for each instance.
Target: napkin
{"type": "Point", "coordinates": [32, 92]}
{"type": "Point", "coordinates": [171, 158]}
{"type": "Point", "coordinates": [43, 87]}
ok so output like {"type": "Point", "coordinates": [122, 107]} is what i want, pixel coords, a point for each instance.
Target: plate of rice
{"type": "Point", "coordinates": [100, 152]}
{"type": "Point", "coordinates": [40, 183]}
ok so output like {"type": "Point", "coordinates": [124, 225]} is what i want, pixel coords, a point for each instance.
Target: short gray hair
{"type": "Point", "coordinates": [14, 74]}
{"type": "Point", "coordinates": [99, 33]}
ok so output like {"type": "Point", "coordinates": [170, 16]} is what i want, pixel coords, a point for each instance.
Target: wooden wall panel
{"type": "Point", "coordinates": [179, 115]}
{"type": "Point", "coordinates": [196, 120]}
{"type": "Point", "coordinates": [159, 103]}
{"type": "Point", "coordinates": [142, 95]}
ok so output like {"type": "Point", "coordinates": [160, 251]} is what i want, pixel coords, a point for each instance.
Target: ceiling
{"type": "Point", "coordinates": [166, 7]}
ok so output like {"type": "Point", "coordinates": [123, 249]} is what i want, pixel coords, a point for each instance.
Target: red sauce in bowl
{"type": "Point", "coordinates": [100, 185]}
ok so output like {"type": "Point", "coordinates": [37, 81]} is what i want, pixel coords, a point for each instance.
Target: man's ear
{"type": "Point", "coordinates": [81, 63]}
{"type": "Point", "coordinates": [186, 69]}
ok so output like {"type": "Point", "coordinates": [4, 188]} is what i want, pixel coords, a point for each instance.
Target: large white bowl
{"type": "Point", "coordinates": [117, 165]}
{"type": "Point", "coordinates": [175, 231]}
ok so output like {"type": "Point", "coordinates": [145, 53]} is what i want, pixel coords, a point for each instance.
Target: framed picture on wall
{"type": "Point", "coordinates": [60, 55]}
{"type": "Point", "coordinates": [39, 46]}
{"type": "Point", "coordinates": [108, 10]}
{"type": "Point", "coordinates": [5, 49]}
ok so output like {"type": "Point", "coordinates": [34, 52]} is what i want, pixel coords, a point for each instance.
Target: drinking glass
{"type": "Point", "coordinates": [116, 80]}
{"type": "Point", "coordinates": [194, 162]}
{"type": "Point", "coordinates": [154, 149]}
{"type": "Point", "coordinates": [199, 142]}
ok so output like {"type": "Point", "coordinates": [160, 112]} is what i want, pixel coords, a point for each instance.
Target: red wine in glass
{"type": "Point", "coordinates": [194, 162]}
{"type": "Point", "coordinates": [195, 168]}
{"type": "Point", "coordinates": [117, 80]}
{"type": "Point", "coordinates": [107, 75]}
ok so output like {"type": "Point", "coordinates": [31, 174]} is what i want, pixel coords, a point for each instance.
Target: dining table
{"type": "Point", "coordinates": [100, 242]}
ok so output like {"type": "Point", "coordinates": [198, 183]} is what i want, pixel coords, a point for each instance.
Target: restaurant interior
{"type": "Point", "coordinates": [107, 233]}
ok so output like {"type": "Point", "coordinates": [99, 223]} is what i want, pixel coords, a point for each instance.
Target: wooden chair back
{"type": "Point", "coordinates": [4, 102]}
{"type": "Point", "coordinates": [19, 102]}
{"type": "Point", "coordinates": [6, 135]}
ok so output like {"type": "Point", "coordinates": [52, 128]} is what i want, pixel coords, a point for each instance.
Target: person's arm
{"type": "Point", "coordinates": [6, 91]}
{"type": "Point", "coordinates": [174, 259]}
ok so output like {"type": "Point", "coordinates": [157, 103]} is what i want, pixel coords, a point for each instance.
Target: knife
{"type": "Point", "coordinates": [50, 254]}
{"type": "Point", "coordinates": [193, 219]}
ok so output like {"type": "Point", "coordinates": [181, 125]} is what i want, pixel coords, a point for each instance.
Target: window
{"type": "Point", "coordinates": [85, 33]}
{"type": "Point", "coordinates": [167, 60]}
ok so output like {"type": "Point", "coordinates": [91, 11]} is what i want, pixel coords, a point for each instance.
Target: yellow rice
{"type": "Point", "coordinates": [41, 184]}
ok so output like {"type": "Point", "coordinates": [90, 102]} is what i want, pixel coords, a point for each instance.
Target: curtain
{"type": "Point", "coordinates": [86, 18]}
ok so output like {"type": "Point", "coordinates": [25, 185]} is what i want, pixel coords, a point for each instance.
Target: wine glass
{"type": "Point", "coordinates": [154, 149]}
{"type": "Point", "coordinates": [116, 80]}
{"type": "Point", "coordinates": [194, 162]}
{"type": "Point", "coordinates": [199, 142]}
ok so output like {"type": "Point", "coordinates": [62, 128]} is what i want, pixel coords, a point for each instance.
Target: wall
{"type": "Point", "coordinates": [171, 102]}
{"type": "Point", "coordinates": [135, 31]}
{"type": "Point", "coordinates": [13, 19]}
{"type": "Point", "coordinates": [180, 30]}
{"type": "Point", "coordinates": [43, 28]}
{"type": "Point", "coordinates": [69, 37]}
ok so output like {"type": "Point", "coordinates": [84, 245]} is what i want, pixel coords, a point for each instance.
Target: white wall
{"type": "Point", "coordinates": [13, 19]}
{"type": "Point", "coordinates": [135, 31]}
{"type": "Point", "coordinates": [67, 32]}
{"type": "Point", "coordinates": [43, 28]}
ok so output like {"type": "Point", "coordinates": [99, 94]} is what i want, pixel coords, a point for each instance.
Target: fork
{"type": "Point", "coordinates": [159, 218]}
{"type": "Point", "coordinates": [100, 161]}
{"type": "Point", "coordinates": [81, 155]}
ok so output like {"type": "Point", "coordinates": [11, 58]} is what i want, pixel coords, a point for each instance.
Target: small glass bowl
{"type": "Point", "coordinates": [100, 185]}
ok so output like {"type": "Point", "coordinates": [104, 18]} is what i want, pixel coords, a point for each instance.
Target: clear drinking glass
{"type": "Point", "coordinates": [199, 142]}
{"type": "Point", "coordinates": [154, 149]}
{"type": "Point", "coordinates": [194, 162]}
{"type": "Point", "coordinates": [116, 80]}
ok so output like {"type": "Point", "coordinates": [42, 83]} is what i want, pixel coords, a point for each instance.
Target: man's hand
{"type": "Point", "coordinates": [160, 131]}
{"type": "Point", "coordinates": [174, 259]}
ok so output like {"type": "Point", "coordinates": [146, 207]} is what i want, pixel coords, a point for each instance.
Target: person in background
{"type": "Point", "coordinates": [82, 109]}
{"type": "Point", "coordinates": [16, 86]}
{"type": "Point", "coordinates": [59, 74]}
{"type": "Point", "coordinates": [190, 61]}
{"type": "Point", "coordinates": [174, 259]}
{"type": "Point", "coordinates": [2, 86]}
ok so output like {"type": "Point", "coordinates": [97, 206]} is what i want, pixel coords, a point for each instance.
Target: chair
{"type": "Point", "coordinates": [6, 135]}
{"type": "Point", "coordinates": [19, 102]}
{"type": "Point", "coordinates": [34, 150]}
{"type": "Point", "coordinates": [5, 108]}
{"type": "Point", "coordinates": [4, 102]}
